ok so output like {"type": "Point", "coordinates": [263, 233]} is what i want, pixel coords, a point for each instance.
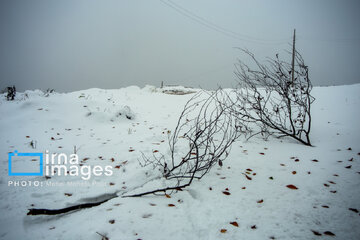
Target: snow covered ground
{"type": "Point", "coordinates": [113, 127]}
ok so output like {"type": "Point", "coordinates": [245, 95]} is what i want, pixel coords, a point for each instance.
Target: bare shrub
{"type": "Point", "coordinates": [11, 93]}
{"type": "Point", "coordinates": [269, 102]}
{"type": "Point", "coordinates": [202, 138]}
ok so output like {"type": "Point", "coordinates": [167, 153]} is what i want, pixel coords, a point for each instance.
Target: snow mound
{"type": "Point", "coordinates": [111, 115]}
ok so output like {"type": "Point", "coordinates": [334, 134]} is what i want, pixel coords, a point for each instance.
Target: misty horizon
{"type": "Point", "coordinates": [75, 45]}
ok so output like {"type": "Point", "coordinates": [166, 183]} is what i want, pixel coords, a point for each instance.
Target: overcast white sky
{"type": "Point", "coordinates": [78, 44]}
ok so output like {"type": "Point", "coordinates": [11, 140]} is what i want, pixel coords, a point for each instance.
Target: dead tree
{"type": "Point", "coordinates": [202, 138]}
{"type": "Point", "coordinates": [268, 102]}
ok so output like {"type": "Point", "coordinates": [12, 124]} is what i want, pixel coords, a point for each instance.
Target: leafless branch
{"type": "Point", "coordinates": [268, 102]}
{"type": "Point", "coordinates": [207, 129]}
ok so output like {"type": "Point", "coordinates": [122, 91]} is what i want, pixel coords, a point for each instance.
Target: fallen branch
{"type": "Point", "coordinates": [44, 211]}
{"type": "Point", "coordinates": [207, 129]}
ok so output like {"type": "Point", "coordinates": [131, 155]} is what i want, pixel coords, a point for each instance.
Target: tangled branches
{"type": "Point", "coordinates": [269, 102]}
{"type": "Point", "coordinates": [207, 130]}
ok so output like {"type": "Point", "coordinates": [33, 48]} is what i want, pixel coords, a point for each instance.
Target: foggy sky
{"type": "Point", "coordinates": [78, 44]}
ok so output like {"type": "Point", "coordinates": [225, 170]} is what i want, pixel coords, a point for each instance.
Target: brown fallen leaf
{"type": "Point", "coordinates": [234, 224]}
{"type": "Point", "coordinates": [316, 233]}
{"type": "Point", "coordinates": [152, 204]}
{"type": "Point", "coordinates": [249, 169]}
{"type": "Point", "coordinates": [348, 167]}
{"type": "Point", "coordinates": [131, 150]}
{"type": "Point", "coordinates": [247, 177]}
{"type": "Point", "coordinates": [315, 160]}
{"type": "Point", "coordinates": [325, 206]}
{"type": "Point", "coordinates": [223, 230]}
{"type": "Point", "coordinates": [297, 160]}
{"type": "Point", "coordinates": [167, 195]}
{"type": "Point", "coordinates": [326, 185]}
{"type": "Point", "coordinates": [220, 163]}
{"type": "Point", "coordinates": [333, 191]}
{"type": "Point", "coordinates": [354, 210]}
{"type": "Point", "coordinates": [112, 221]}
{"type": "Point", "coordinates": [112, 159]}
{"type": "Point", "coordinates": [171, 205]}
{"type": "Point", "coordinates": [293, 172]}
{"type": "Point", "coordinates": [118, 166]}
{"type": "Point", "coordinates": [111, 184]}
{"type": "Point", "coordinates": [68, 194]}
{"type": "Point", "coordinates": [226, 193]}
{"type": "Point", "coordinates": [291, 186]}
{"type": "Point", "coordinates": [253, 227]}
{"type": "Point", "coordinates": [260, 201]}
{"type": "Point", "coordinates": [155, 151]}
{"type": "Point", "coordinates": [331, 182]}
{"type": "Point", "coordinates": [329, 233]}
{"type": "Point", "coordinates": [262, 153]}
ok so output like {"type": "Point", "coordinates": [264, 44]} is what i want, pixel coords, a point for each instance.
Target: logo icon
{"type": "Point", "coordinates": [25, 164]}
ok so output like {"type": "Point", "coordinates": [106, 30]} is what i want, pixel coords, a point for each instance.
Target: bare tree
{"type": "Point", "coordinates": [269, 101]}
{"type": "Point", "coordinates": [202, 138]}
